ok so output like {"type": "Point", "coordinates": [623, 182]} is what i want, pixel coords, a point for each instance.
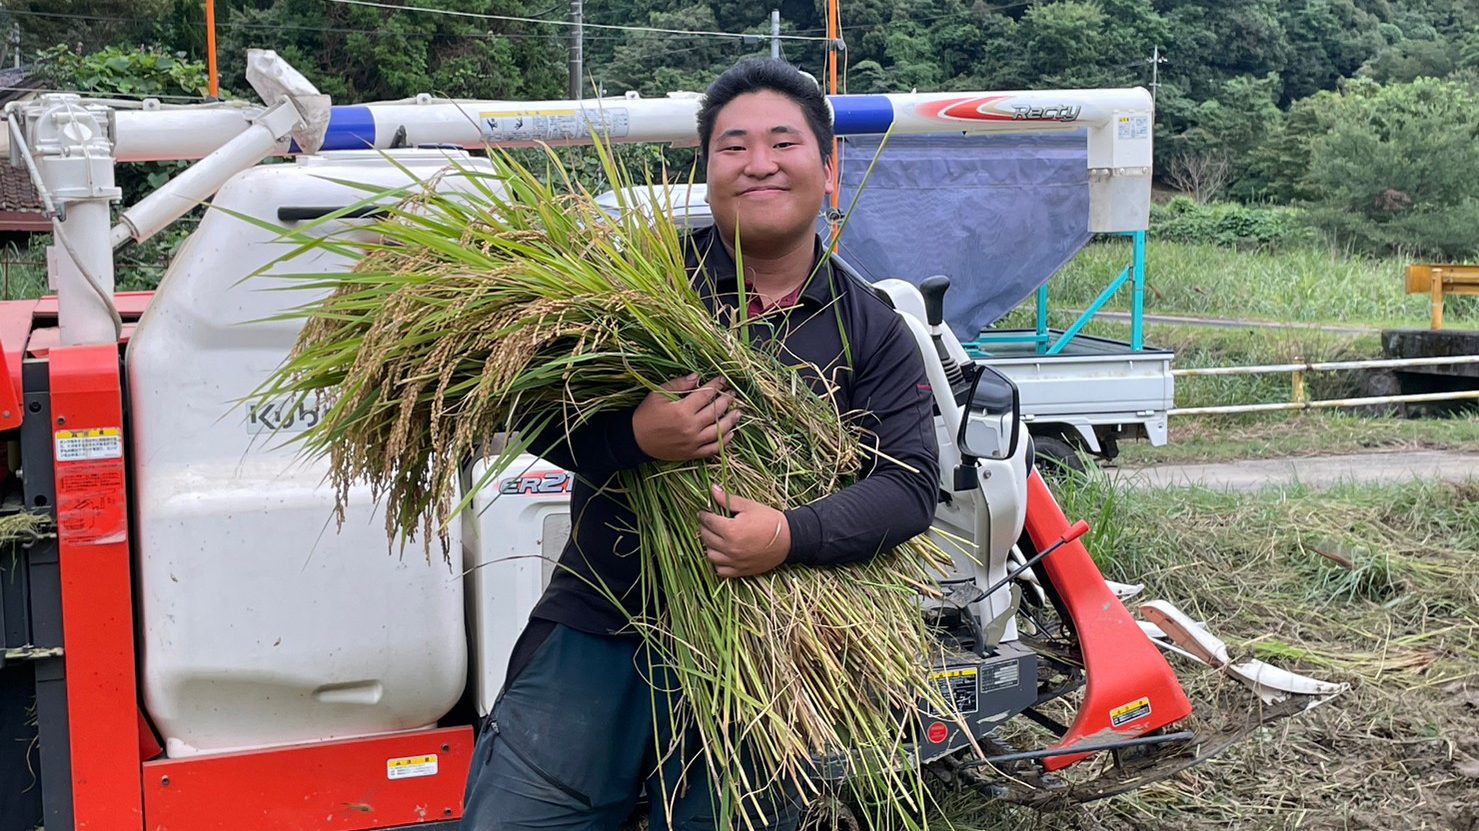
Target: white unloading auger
{"type": "Point", "coordinates": [295, 117]}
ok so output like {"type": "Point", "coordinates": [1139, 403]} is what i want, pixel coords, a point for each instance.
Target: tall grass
{"type": "Point", "coordinates": [1301, 283]}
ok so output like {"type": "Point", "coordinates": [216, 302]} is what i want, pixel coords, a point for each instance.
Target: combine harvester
{"type": "Point", "coordinates": [208, 653]}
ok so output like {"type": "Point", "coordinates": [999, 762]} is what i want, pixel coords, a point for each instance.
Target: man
{"type": "Point", "coordinates": [578, 730]}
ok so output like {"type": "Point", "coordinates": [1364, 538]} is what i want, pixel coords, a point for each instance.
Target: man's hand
{"type": "Point", "coordinates": [687, 421]}
{"type": "Point", "coordinates": [753, 540]}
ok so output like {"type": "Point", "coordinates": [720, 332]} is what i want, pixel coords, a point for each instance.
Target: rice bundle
{"type": "Point", "coordinates": [519, 305]}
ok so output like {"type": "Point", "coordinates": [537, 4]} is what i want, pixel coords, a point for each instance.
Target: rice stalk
{"type": "Point", "coordinates": [24, 526]}
{"type": "Point", "coordinates": [512, 306]}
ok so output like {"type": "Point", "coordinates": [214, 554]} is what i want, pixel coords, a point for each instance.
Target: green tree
{"type": "Point", "coordinates": [1228, 128]}
{"type": "Point", "coordinates": [357, 53]}
{"type": "Point", "coordinates": [1389, 175]}
{"type": "Point", "coordinates": [1328, 40]}
{"type": "Point", "coordinates": [136, 72]}
{"type": "Point", "coordinates": [86, 26]}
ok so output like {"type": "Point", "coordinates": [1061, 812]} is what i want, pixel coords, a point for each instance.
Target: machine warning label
{"type": "Point", "coordinates": [1134, 127]}
{"type": "Point", "coordinates": [959, 686]}
{"type": "Point", "coordinates": [1134, 711]}
{"type": "Point", "coordinates": [90, 505]}
{"type": "Point", "coordinates": [555, 125]}
{"type": "Point", "coordinates": [410, 767]}
{"type": "Point", "coordinates": [1002, 676]}
{"type": "Point", "coordinates": [87, 445]}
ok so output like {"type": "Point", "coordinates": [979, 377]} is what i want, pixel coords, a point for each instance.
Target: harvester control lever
{"type": "Point", "coordinates": [1076, 530]}
{"type": "Point", "coordinates": [933, 289]}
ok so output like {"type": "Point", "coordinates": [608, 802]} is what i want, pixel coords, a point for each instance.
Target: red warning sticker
{"type": "Point", "coordinates": [937, 732]}
{"type": "Point", "coordinates": [91, 501]}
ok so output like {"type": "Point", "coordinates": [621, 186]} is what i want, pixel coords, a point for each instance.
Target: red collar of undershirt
{"type": "Point", "coordinates": [757, 307]}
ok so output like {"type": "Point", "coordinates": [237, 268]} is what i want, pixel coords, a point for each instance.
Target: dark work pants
{"type": "Point", "coordinates": [575, 737]}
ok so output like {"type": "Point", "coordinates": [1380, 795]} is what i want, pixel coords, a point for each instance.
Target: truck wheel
{"type": "Point", "coordinates": [1056, 458]}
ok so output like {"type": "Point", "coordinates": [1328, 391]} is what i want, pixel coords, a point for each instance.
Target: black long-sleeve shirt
{"type": "Point", "coordinates": [882, 388]}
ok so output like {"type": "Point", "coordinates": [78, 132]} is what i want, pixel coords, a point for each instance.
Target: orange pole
{"type": "Point", "coordinates": [210, 47]}
{"type": "Point", "coordinates": [834, 32]}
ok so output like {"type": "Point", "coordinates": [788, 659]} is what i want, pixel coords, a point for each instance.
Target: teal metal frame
{"type": "Point", "coordinates": [1050, 342]}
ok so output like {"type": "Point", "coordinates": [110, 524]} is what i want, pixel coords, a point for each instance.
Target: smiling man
{"type": "Point", "coordinates": [586, 721]}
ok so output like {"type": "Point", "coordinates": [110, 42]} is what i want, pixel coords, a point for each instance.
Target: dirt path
{"type": "Point", "coordinates": [1317, 471]}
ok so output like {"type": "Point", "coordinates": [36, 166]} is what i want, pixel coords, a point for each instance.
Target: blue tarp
{"type": "Point", "coordinates": [997, 214]}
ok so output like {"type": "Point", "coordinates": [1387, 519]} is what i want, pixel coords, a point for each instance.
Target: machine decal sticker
{"type": "Point", "coordinates": [555, 125]}
{"type": "Point", "coordinates": [986, 108]}
{"type": "Point", "coordinates": [85, 445]}
{"type": "Point", "coordinates": [937, 732]}
{"type": "Point", "coordinates": [90, 498]}
{"type": "Point", "coordinates": [411, 767]}
{"type": "Point", "coordinates": [538, 483]}
{"type": "Point", "coordinates": [959, 686]}
{"type": "Point", "coordinates": [1134, 711]}
{"type": "Point", "coordinates": [1132, 127]}
{"type": "Point", "coordinates": [284, 415]}
{"type": "Point", "coordinates": [1001, 676]}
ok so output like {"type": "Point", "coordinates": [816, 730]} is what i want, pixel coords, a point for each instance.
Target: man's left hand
{"type": "Point", "coordinates": [754, 539]}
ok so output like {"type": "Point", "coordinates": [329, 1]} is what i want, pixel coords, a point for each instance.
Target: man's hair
{"type": "Point", "coordinates": [757, 75]}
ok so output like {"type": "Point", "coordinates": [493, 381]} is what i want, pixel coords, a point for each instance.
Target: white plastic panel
{"type": "Point", "coordinates": [262, 623]}
{"type": "Point", "coordinates": [514, 533]}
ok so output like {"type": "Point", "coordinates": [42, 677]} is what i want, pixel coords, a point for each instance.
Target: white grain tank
{"type": "Point", "coordinates": [261, 623]}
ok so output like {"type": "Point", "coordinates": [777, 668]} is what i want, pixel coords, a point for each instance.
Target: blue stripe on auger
{"type": "Point", "coordinates": [861, 114]}
{"type": "Point", "coordinates": [350, 128]}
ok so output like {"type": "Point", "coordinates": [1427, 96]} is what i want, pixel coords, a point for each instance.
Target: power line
{"type": "Point", "coordinates": [511, 18]}
{"type": "Point", "coordinates": [288, 27]}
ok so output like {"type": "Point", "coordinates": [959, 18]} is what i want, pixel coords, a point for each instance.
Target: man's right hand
{"type": "Point", "coordinates": [684, 421]}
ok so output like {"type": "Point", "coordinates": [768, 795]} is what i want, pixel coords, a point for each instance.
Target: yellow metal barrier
{"type": "Point", "coordinates": [1438, 280]}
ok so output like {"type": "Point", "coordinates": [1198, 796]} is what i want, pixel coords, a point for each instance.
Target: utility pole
{"type": "Point", "coordinates": [213, 81]}
{"type": "Point", "coordinates": [1155, 60]}
{"type": "Point", "coordinates": [577, 44]}
{"type": "Point", "coordinates": [775, 33]}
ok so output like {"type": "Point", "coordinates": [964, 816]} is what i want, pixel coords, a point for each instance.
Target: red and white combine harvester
{"type": "Point", "coordinates": [207, 651]}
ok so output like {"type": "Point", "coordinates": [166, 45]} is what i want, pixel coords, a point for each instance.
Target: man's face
{"type": "Point", "coordinates": [765, 172]}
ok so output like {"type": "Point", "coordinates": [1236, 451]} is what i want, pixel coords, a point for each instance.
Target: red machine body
{"type": "Point", "coordinates": [1130, 690]}
{"type": "Point", "coordinates": [117, 782]}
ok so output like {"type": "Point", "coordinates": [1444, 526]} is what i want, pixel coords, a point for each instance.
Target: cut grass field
{"type": "Point", "coordinates": [1374, 587]}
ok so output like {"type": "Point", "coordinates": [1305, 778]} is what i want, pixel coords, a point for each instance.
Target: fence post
{"type": "Point", "coordinates": [1297, 380]}
{"type": "Point", "coordinates": [1436, 289]}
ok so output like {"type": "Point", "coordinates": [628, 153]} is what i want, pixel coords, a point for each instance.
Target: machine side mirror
{"type": "Point", "coordinates": [990, 426]}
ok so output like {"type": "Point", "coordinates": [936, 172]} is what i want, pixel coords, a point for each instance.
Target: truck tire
{"type": "Point", "coordinates": [1057, 458]}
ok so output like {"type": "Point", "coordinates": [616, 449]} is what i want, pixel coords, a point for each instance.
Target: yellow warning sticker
{"type": "Point", "coordinates": [945, 674]}
{"type": "Point", "coordinates": [410, 767]}
{"type": "Point", "coordinates": [86, 445]}
{"type": "Point", "coordinates": [1134, 711]}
